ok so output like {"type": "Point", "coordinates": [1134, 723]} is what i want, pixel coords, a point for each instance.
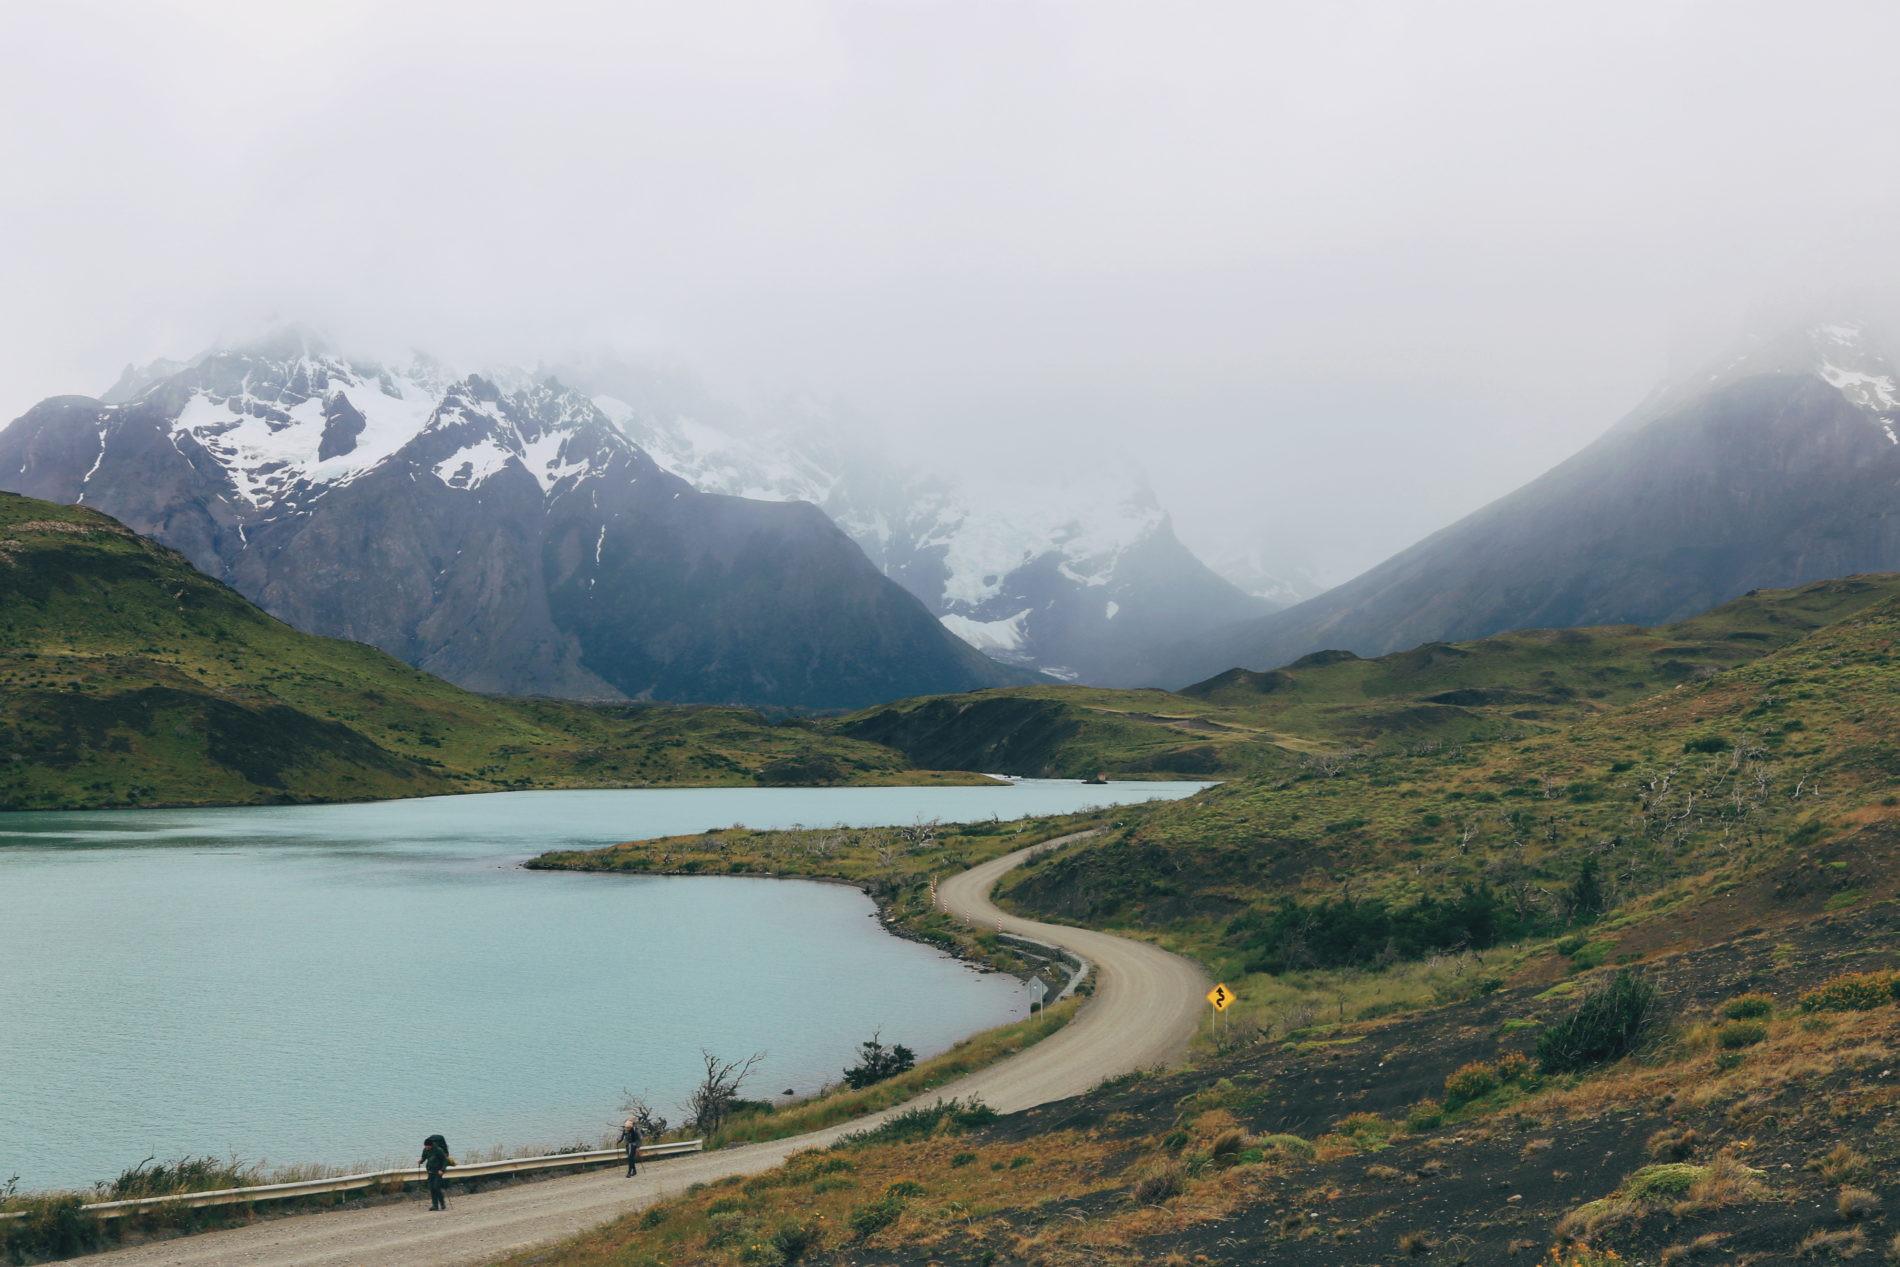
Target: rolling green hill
{"type": "Point", "coordinates": [1253, 723]}
{"type": "Point", "coordinates": [1617, 990]}
{"type": "Point", "coordinates": [1712, 783]}
{"type": "Point", "coordinates": [129, 678]}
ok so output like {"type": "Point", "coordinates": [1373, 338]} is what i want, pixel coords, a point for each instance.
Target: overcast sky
{"type": "Point", "coordinates": [1338, 272]}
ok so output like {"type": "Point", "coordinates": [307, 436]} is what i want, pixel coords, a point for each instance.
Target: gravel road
{"type": "Point", "coordinates": [1146, 1005]}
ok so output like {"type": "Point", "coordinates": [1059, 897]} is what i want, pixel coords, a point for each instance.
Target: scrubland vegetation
{"type": "Point", "coordinates": [1616, 988]}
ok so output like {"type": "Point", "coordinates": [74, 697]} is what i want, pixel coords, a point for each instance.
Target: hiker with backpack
{"type": "Point", "coordinates": [631, 1139]}
{"type": "Point", "coordinates": [435, 1159]}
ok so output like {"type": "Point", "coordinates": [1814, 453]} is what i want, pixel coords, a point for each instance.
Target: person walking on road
{"type": "Point", "coordinates": [631, 1139]}
{"type": "Point", "coordinates": [435, 1159]}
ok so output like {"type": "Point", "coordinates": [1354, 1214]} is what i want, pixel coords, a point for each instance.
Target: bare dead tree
{"type": "Point", "coordinates": [712, 1100]}
{"type": "Point", "coordinates": [1329, 765]}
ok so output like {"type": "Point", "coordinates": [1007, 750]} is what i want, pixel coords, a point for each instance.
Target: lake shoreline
{"type": "Point", "coordinates": [583, 989]}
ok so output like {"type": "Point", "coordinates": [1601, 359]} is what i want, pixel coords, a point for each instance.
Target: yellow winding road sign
{"type": "Point", "coordinates": [1220, 996]}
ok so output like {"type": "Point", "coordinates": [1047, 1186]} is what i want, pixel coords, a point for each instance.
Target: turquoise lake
{"type": "Point", "coordinates": [329, 984]}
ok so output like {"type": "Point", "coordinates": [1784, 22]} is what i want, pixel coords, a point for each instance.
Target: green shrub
{"type": "Point", "coordinates": [962, 1159]}
{"type": "Point", "coordinates": [874, 1216]}
{"type": "Point", "coordinates": [795, 1240]}
{"type": "Point", "coordinates": [1425, 1115]}
{"type": "Point", "coordinates": [1607, 1025]}
{"type": "Point", "coordinates": [1290, 1146]}
{"type": "Point", "coordinates": [1749, 1007]}
{"type": "Point", "coordinates": [876, 1062]}
{"type": "Point", "coordinates": [919, 1123]}
{"type": "Point", "coordinates": [1470, 1082]}
{"type": "Point", "coordinates": [1666, 1182]}
{"type": "Point", "coordinates": [1512, 1066]}
{"type": "Point", "coordinates": [50, 1227]}
{"type": "Point", "coordinates": [1856, 992]}
{"type": "Point", "coordinates": [1708, 743]}
{"type": "Point", "coordinates": [1367, 1130]}
{"type": "Point", "coordinates": [1739, 1034]}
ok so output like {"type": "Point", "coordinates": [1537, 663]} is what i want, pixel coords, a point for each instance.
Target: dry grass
{"type": "Point", "coordinates": [1701, 1246]}
{"type": "Point", "coordinates": [1725, 1181]}
{"type": "Point", "coordinates": [1673, 1143]}
{"type": "Point", "coordinates": [1842, 1164]}
{"type": "Point", "coordinates": [1855, 1204]}
{"type": "Point", "coordinates": [1848, 1243]}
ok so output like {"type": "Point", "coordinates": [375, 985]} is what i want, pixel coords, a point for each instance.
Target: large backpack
{"type": "Point", "coordinates": [435, 1153]}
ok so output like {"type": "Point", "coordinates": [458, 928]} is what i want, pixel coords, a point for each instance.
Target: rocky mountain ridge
{"type": "Point", "coordinates": [508, 538]}
{"type": "Point", "coordinates": [1074, 572]}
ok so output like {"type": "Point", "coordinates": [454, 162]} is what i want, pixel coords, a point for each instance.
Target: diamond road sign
{"type": "Point", "coordinates": [1220, 996]}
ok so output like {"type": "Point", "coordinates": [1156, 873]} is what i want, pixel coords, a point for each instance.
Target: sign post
{"type": "Point", "coordinates": [1037, 993]}
{"type": "Point", "coordinates": [1219, 998]}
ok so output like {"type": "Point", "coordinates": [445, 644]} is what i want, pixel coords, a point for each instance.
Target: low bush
{"type": "Point", "coordinates": [1749, 1007]}
{"type": "Point", "coordinates": [1609, 1024]}
{"type": "Point", "coordinates": [1425, 1115]}
{"type": "Point", "coordinates": [930, 1119]}
{"type": "Point", "coordinates": [1289, 1146]}
{"type": "Point", "coordinates": [1160, 1184]}
{"type": "Point", "coordinates": [1365, 1130]}
{"type": "Point", "coordinates": [1470, 1082]}
{"type": "Point", "coordinates": [1513, 1067]}
{"type": "Point", "coordinates": [795, 1240]}
{"type": "Point", "coordinates": [876, 1062]}
{"type": "Point", "coordinates": [1856, 992]}
{"type": "Point", "coordinates": [1739, 1034]}
{"type": "Point", "coordinates": [1725, 1181]}
{"type": "Point", "coordinates": [1855, 1204]}
{"type": "Point", "coordinates": [1663, 1183]}
{"type": "Point", "coordinates": [1227, 1147]}
{"type": "Point", "coordinates": [50, 1227]}
{"type": "Point", "coordinates": [1673, 1144]}
{"type": "Point", "coordinates": [1842, 1164]}
{"type": "Point", "coordinates": [874, 1216]}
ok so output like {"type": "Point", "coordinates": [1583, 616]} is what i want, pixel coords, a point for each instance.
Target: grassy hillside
{"type": "Point", "coordinates": [1622, 991]}
{"type": "Point", "coordinates": [1400, 853]}
{"type": "Point", "coordinates": [1247, 723]}
{"type": "Point", "coordinates": [129, 678]}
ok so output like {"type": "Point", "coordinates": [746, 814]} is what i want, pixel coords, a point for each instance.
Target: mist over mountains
{"type": "Point", "coordinates": [1775, 465]}
{"type": "Point", "coordinates": [508, 539]}
{"type": "Point", "coordinates": [534, 533]}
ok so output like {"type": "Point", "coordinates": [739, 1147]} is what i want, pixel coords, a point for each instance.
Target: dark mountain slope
{"type": "Point", "coordinates": [510, 540]}
{"type": "Point", "coordinates": [129, 678]}
{"type": "Point", "coordinates": [1768, 479]}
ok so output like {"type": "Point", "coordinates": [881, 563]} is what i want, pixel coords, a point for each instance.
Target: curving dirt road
{"type": "Point", "coordinates": [1146, 1005]}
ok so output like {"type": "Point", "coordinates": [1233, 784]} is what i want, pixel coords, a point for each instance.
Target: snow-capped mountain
{"type": "Point", "coordinates": [1077, 575]}
{"type": "Point", "coordinates": [1776, 465]}
{"type": "Point", "coordinates": [505, 535]}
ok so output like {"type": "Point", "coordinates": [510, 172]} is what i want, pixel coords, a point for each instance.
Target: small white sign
{"type": "Point", "coordinates": [1037, 990]}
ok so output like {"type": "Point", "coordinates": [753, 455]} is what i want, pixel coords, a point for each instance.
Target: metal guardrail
{"type": "Point", "coordinates": [371, 1179]}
